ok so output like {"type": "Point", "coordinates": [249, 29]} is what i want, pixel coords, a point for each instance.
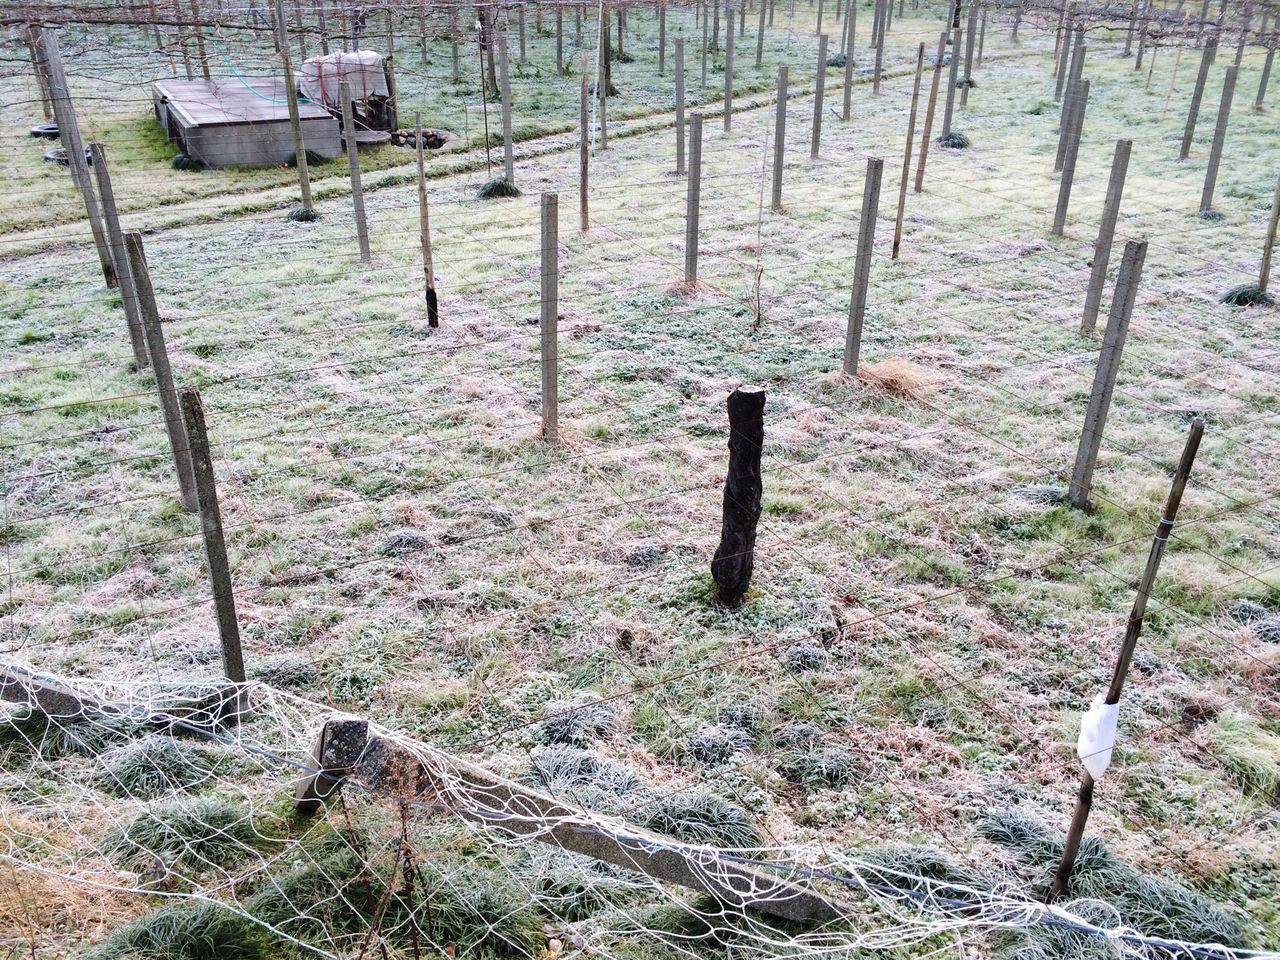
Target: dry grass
{"type": "Point", "coordinates": [39, 912]}
{"type": "Point", "coordinates": [899, 377]}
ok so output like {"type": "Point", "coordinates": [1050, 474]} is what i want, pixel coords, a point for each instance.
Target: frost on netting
{"type": "Point", "coordinates": [424, 854]}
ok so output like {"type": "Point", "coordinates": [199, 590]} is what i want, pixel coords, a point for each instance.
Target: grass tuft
{"type": "Point", "coordinates": [152, 766]}
{"type": "Point", "coordinates": [184, 835]}
{"type": "Point", "coordinates": [1248, 295]}
{"type": "Point", "coordinates": [578, 776]}
{"type": "Point", "coordinates": [701, 818]}
{"type": "Point", "coordinates": [1250, 754]}
{"type": "Point", "coordinates": [25, 731]}
{"type": "Point", "coordinates": [955, 141]}
{"type": "Point", "coordinates": [580, 724]}
{"type": "Point", "coordinates": [895, 376]}
{"type": "Point", "coordinates": [204, 932]}
{"type": "Point", "coordinates": [302, 215]}
{"type": "Point", "coordinates": [498, 187]}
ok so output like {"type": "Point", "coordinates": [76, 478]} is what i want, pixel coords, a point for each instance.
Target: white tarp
{"type": "Point", "coordinates": [361, 68]}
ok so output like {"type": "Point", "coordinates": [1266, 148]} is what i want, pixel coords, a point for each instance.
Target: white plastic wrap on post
{"type": "Point", "coordinates": [1097, 736]}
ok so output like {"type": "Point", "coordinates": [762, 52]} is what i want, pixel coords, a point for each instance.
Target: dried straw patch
{"type": "Point", "coordinates": [900, 377]}
{"type": "Point", "coordinates": [35, 908]}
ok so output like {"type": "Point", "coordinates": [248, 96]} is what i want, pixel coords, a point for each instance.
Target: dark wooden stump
{"type": "Point", "coordinates": [735, 557]}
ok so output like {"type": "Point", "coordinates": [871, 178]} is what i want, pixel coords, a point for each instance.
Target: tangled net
{"type": "Point", "coordinates": [188, 795]}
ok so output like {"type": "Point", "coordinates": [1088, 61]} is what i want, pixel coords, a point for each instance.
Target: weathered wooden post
{"type": "Point", "coordinates": [31, 35]}
{"type": "Point", "coordinates": [307, 212]}
{"type": "Point", "coordinates": [1219, 138]}
{"type": "Point", "coordinates": [559, 41]}
{"type": "Point", "coordinates": [662, 38]}
{"type": "Point", "coordinates": [760, 34]}
{"type": "Point", "coordinates": [692, 200]}
{"type": "Point", "coordinates": [1066, 123]}
{"type": "Point", "coordinates": [878, 37]}
{"type": "Point", "coordinates": [1104, 381]}
{"type": "Point", "coordinates": [504, 79]}
{"type": "Point", "coordinates": [862, 266]}
{"type": "Point", "coordinates": [728, 73]}
{"type": "Point", "coordinates": [119, 257]}
{"type": "Point", "coordinates": [215, 546]}
{"type": "Point", "coordinates": [150, 316]}
{"type": "Point", "coordinates": [927, 132]}
{"type": "Point", "coordinates": [819, 89]}
{"type": "Point", "coordinates": [779, 139]}
{"type": "Point", "coordinates": [703, 82]}
{"type": "Point", "coordinates": [353, 166]}
{"type": "Point", "coordinates": [69, 132]}
{"type": "Point", "coordinates": [550, 301]}
{"type": "Point", "coordinates": [1063, 64]}
{"type": "Point", "coordinates": [906, 155]}
{"type": "Point", "coordinates": [424, 228]}
{"type": "Point", "coordinates": [455, 55]}
{"type": "Point", "coordinates": [1134, 9]}
{"type": "Point", "coordinates": [520, 33]}
{"type": "Point", "coordinates": [584, 139]}
{"type": "Point", "coordinates": [1264, 272]}
{"type": "Point", "coordinates": [846, 111]}
{"type": "Point", "coordinates": [603, 55]}
{"type": "Point", "coordinates": [743, 487]}
{"type": "Point", "coordinates": [1098, 726]}
{"type": "Point", "coordinates": [1106, 235]}
{"type": "Point", "coordinates": [1206, 61]}
{"type": "Point", "coordinates": [1080, 90]}
{"type": "Point", "coordinates": [971, 32]}
{"type": "Point", "coordinates": [680, 128]}
{"type": "Point", "coordinates": [952, 78]}
{"type": "Point", "coordinates": [1266, 76]}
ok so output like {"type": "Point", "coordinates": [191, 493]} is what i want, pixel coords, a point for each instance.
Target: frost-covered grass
{"type": "Point", "coordinates": [925, 609]}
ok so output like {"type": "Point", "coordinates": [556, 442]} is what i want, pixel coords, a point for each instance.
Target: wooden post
{"type": "Point", "coordinates": [584, 139]}
{"type": "Point", "coordinates": [559, 41]}
{"type": "Point", "coordinates": [953, 76]}
{"type": "Point", "coordinates": [927, 132]}
{"type": "Point", "coordinates": [728, 72]}
{"type": "Point", "coordinates": [1266, 76]}
{"type": "Point", "coordinates": [1264, 273]}
{"type": "Point", "coordinates": [196, 19]}
{"type": "Point", "coordinates": [1219, 138]}
{"type": "Point", "coordinates": [1106, 235]}
{"type": "Point", "coordinates": [324, 28]}
{"type": "Point", "coordinates": [906, 154]}
{"type": "Point", "coordinates": [715, 30]}
{"type": "Point", "coordinates": [1017, 22]}
{"type": "Point", "coordinates": [154, 334]}
{"type": "Point", "coordinates": [508, 155]}
{"type": "Point", "coordinates": [182, 40]}
{"type": "Point", "coordinates": [846, 111]}
{"type": "Point", "coordinates": [602, 80]}
{"type": "Point", "coordinates": [115, 238]}
{"type": "Point", "coordinates": [453, 43]}
{"type": "Point", "coordinates": [818, 29]}
{"type": "Point", "coordinates": [971, 35]}
{"type": "Point", "coordinates": [862, 266]}
{"type": "Point", "coordinates": [31, 34]}
{"type": "Point", "coordinates": [422, 35]}
{"type": "Point", "coordinates": [779, 139]}
{"type": "Point", "coordinates": [982, 35]}
{"type": "Point", "coordinates": [703, 85]}
{"type": "Point", "coordinates": [1068, 104]}
{"type": "Point", "coordinates": [1134, 10]}
{"type": "Point", "coordinates": [819, 89]}
{"type": "Point", "coordinates": [680, 129]}
{"type": "Point", "coordinates": [1104, 381]}
{"type": "Point", "coordinates": [760, 34]}
{"type": "Point", "coordinates": [424, 229]}
{"type": "Point", "coordinates": [662, 39]}
{"type": "Point", "coordinates": [1080, 90]}
{"type": "Point", "coordinates": [1206, 61]}
{"type": "Point", "coordinates": [735, 556]}
{"type": "Point", "coordinates": [520, 31]}
{"type": "Point", "coordinates": [215, 547]}
{"type": "Point", "coordinates": [353, 164]}
{"type": "Point", "coordinates": [1063, 62]}
{"type": "Point", "coordinates": [69, 132]}
{"type": "Point", "coordinates": [550, 317]}
{"type": "Point", "coordinates": [1133, 631]}
{"type": "Point", "coordinates": [879, 42]}
{"type": "Point", "coordinates": [691, 201]}
{"type": "Point", "coordinates": [291, 97]}
{"type": "Point", "coordinates": [1144, 34]}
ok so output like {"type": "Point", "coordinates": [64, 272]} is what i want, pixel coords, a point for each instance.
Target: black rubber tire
{"type": "Point", "coordinates": [45, 131]}
{"type": "Point", "coordinates": [59, 155]}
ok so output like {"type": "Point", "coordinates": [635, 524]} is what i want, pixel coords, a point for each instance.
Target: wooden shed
{"type": "Point", "coordinates": [245, 123]}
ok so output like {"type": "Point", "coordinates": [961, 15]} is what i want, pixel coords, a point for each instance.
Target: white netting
{"type": "Point", "coordinates": [420, 854]}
